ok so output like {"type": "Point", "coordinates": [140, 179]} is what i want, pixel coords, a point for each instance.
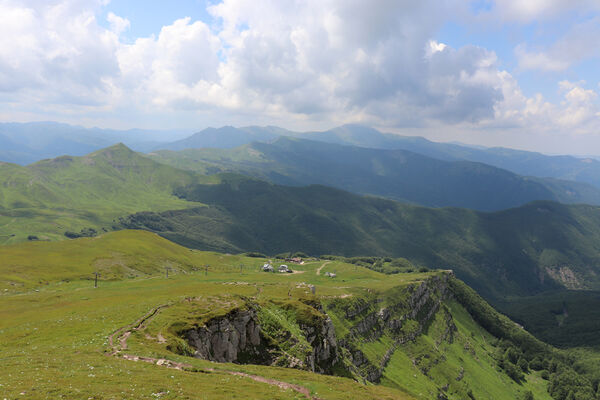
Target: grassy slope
{"type": "Point", "coordinates": [395, 174]}
{"type": "Point", "coordinates": [470, 354]}
{"type": "Point", "coordinates": [520, 251]}
{"type": "Point", "coordinates": [69, 193]}
{"type": "Point", "coordinates": [53, 339]}
{"type": "Point", "coordinates": [118, 255]}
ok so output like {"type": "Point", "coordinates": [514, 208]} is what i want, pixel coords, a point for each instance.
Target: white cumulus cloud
{"type": "Point", "coordinates": [117, 24]}
{"type": "Point", "coordinates": [298, 61]}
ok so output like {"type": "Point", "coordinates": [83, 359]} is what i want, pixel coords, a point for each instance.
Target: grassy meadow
{"type": "Point", "coordinates": [55, 325]}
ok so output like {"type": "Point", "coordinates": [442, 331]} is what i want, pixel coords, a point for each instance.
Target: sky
{"type": "Point", "coordinates": [512, 73]}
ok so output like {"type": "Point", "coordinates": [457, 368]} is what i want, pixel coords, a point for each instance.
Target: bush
{"type": "Point", "coordinates": [523, 364]}
{"type": "Point", "coordinates": [513, 371]}
{"type": "Point", "coordinates": [536, 364]}
{"type": "Point", "coordinates": [85, 232]}
{"type": "Point", "coordinates": [255, 254]}
{"type": "Point", "coordinates": [545, 375]}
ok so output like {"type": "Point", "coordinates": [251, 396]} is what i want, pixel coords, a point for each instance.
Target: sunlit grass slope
{"type": "Point", "coordinates": [116, 255]}
{"type": "Point", "coordinates": [50, 197]}
{"type": "Point", "coordinates": [54, 336]}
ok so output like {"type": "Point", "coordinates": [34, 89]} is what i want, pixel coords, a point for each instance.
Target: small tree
{"type": "Point", "coordinates": [522, 363]}
{"type": "Point", "coordinates": [571, 396]}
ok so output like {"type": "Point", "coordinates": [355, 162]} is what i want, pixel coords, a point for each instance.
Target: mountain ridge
{"type": "Point", "coordinates": [396, 174]}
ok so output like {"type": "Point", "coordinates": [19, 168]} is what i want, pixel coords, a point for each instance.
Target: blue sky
{"type": "Point", "coordinates": [148, 17]}
{"type": "Point", "coordinates": [504, 38]}
{"type": "Point", "coordinates": [491, 72]}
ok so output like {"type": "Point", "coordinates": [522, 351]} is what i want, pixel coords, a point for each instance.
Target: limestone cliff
{"type": "Point", "coordinates": [240, 337]}
{"type": "Point", "coordinates": [302, 335]}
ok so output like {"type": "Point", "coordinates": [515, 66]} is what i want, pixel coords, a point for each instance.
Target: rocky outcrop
{"type": "Point", "coordinates": [232, 338]}
{"type": "Point", "coordinates": [324, 346]}
{"type": "Point", "coordinates": [238, 338]}
{"type": "Point", "coordinates": [419, 304]}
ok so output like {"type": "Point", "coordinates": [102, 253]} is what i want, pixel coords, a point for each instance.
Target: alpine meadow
{"type": "Point", "coordinates": [237, 199]}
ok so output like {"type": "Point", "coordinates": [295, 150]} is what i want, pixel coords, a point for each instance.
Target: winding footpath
{"type": "Point", "coordinates": [118, 344]}
{"type": "Point", "coordinates": [321, 267]}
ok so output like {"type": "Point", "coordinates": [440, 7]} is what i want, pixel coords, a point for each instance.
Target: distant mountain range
{"type": "Point", "coordinates": [26, 143]}
{"type": "Point", "coordinates": [395, 174]}
{"type": "Point", "coordinates": [586, 170]}
{"type": "Point", "coordinates": [227, 137]}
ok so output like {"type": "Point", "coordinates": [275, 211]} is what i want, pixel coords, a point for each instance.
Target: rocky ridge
{"type": "Point", "coordinates": [242, 337]}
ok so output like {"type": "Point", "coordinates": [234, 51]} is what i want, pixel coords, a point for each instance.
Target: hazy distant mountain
{"type": "Point", "coordinates": [526, 163]}
{"type": "Point", "coordinates": [25, 143]}
{"type": "Point", "coordinates": [522, 162]}
{"type": "Point", "coordinates": [226, 137]}
{"type": "Point", "coordinates": [395, 174]}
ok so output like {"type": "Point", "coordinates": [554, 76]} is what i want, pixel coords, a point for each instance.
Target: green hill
{"type": "Point", "coordinates": [115, 255]}
{"type": "Point", "coordinates": [50, 197]}
{"type": "Point", "coordinates": [402, 336]}
{"type": "Point", "coordinates": [520, 251]}
{"type": "Point", "coordinates": [395, 174]}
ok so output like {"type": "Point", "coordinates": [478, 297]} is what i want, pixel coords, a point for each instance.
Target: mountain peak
{"type": "Point", "coordinates": [115, 148]}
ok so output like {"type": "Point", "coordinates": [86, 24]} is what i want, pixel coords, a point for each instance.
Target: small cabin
{"type": "Point", "coordinates": [284, 268]}
{"type": "Point", "coordinates": [267, 267]}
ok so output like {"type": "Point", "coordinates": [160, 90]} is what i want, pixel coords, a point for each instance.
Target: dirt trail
{"type": "Point", "coordinates": [283, 385]}
{"type": "Point", "coordinates": [121, 335]}
{"type": "Point", "coordinates": [321, 267]}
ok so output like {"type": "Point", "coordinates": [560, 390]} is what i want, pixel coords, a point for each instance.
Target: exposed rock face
{"type": "Point", "coordinates": [323, 341]}
{"type": "Point", "coordinates": [565, 276]}
{"type": "Point", "coordinates": [228, 339]}
{"type": "Point", "coordinates": [421, 304]}
{"type": "Point", "coordinates": [237, 337]}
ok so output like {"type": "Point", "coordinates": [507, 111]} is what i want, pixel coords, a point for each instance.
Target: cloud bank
{"type": "Point", "coordinates": [308, 63]}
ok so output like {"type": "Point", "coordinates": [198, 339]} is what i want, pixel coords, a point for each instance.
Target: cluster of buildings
{"type": "Point", "coordinates": [267, 267]}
